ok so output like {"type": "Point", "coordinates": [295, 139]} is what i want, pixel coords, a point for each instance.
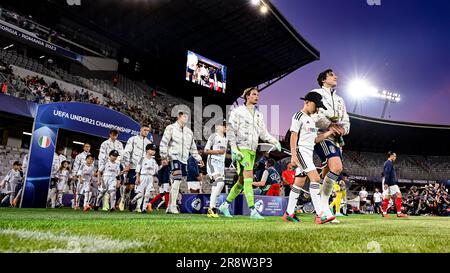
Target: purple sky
{"type": "Point", "coordinates": [402, 45]}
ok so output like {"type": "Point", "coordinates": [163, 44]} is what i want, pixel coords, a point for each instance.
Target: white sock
{"type": "Point", "coordinates": [146, 200]}
{"type": "Point", "coordinates": [293, 198]}
{"type": "Point", "coordinates": [112, 199]}
{"type": "Point", "coordinates": [139, 203]}
{"type": "Point", "coordinates": [314, 190]}
{"type": "Point", "coordinates": [327, 188]}
{"type": "Point", "coordinates": [86, 199]}
{"type": "Point", "coordinates": [174, 190]}
{"type": "Point", "coordinates": [215, 193]}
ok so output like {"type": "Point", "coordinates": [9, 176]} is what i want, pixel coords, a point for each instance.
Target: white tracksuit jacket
{"type": "Point", "coordinates": [336, 110]}
{"type": "Point", "coordinates": [134, 151]}
{"type": "Point", "coordinates": [244, 129]}
{"type": "Point", "coordinates": [177, 143]}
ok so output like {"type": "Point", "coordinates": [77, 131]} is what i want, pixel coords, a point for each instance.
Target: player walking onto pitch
{"type": "Point", "coordinates": [392, 190]}
{"type": "Point", "coordinates": [335, 117]}
{"type": "Point", "coordinates": [176, 145]}
{"type": "Point", "coordinates": [216, 148]}
{"type": "Point", "coordinates": [245, 127]}
{"type": "Point", "coordinates": [107, 180]}
{"type": "Point", "coordinates": [85, 176]}
{"type": "Point", "coordinates": [145, 171]}
{"type": "Point", "coordinates": [80, 160]}
{"type": "Point", "coordinates": [303, 137]}
{"type": "Point", "coordinates": [133, 153]}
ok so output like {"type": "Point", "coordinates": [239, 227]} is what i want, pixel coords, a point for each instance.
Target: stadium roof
{"type": "Point", "coordinates": [378, 135]}
{"type": "Point", "coordinates": [255, 47]}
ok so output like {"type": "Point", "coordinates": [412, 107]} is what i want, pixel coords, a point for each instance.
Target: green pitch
{"type": "Point", "coordinates": [65, 230]}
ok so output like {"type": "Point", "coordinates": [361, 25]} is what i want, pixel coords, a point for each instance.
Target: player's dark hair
{"type": "Point", "coordinates": [17, 163]}
{"type": "Point", "coordinates": [270, 162]}
{"type": "Point", "coordinates": [390, 153]}
{"type": "Point", "coordinates": [62, 165]}
{"type": "Point", "coordinates": [247, 93]}
{"type": "Point", "coordinates": [89, 156]}
{"type": "Point", "coordinates": [114, 132]}
{"type": "Point", "coordinates": [322, 76]}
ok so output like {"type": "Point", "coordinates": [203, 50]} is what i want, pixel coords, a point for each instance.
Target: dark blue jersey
{"type": "Point", "coordinates": [389, 173]}
{"type": "Point", "coordinates": [192, 169]}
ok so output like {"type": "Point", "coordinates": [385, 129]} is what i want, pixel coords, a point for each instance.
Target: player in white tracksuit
{"type": "Point", "coordinates": [107, 179]}
{"type": "Point", "coordinates": [244, 129]}
{"type": "Point", "coordinates": [11, 183]}
{"type": "Point", "coordinates": [86, 179]}
{"type": "Point", "coordinates": [132, 154]}
{"type": "Point", "coordinates": [80, 160]}
{"type": "Point", "coordinates": [176, 145]}
{"type": "Point", "coordinates": [216, 149]}
{"type": "Point", "coordinates": [145, 172]}
{"type": "Point", "coordinates": [336, 118]}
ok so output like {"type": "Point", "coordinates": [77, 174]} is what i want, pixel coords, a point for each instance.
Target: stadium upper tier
{"type": "Point", "coordinates": [156, 35]}
{"type": "Point", "coordinates": [30, 80]}
{"type": "Point", "coordinates": [379, 136]}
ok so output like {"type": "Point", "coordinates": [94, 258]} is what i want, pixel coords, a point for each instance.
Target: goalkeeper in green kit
{"type": "Point", "coordinates": [245, 127]}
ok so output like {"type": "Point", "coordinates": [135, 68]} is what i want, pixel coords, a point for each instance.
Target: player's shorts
{"type": "Point", "coordinates": [146, 184]}
{"type": "Point", "coordinates": [109, 183]}
{"type": "Point", "coordinates": [176, 165]}
{"type": "Point", "coordinates": [131, 175]}
{"type": "Point", "coordinates": [163, 188]}
{"type": "Point", "coordinates": [247, 163]}
{"type": "Point", "coordinates": [194, 185]}
{"type": "Point", "coordinates": [305, 158]}
{"type": "Point", "coordinates": [391, 190]}
{"type": "Point", "coordinates": [61, 185]}
{"type": "Point", "coordinates": [326, 150]}
{"type": "Point", "coordinates": [86, 187]}
{"type": "Point", "coordinates": [215, 167]}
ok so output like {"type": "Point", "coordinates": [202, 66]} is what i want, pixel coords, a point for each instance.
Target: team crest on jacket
{"type": "Point", "coordinates": [332, 149]}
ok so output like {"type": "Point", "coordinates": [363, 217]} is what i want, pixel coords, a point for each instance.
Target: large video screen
{"type": "Point", "coordinates": [205, 72]}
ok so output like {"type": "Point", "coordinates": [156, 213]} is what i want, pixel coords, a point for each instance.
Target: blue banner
{"type": "Point", "coordinates": [85, 118]}
{"type": "Point", "coordinates": [23, 35]}
{"type": "Point", "coordinates": [268, 205]}
{"type": "Point", "coordinates": [17, 106]}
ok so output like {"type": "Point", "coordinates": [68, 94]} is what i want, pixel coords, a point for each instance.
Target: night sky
{"type": "Point", "coordinates": [401, 46]}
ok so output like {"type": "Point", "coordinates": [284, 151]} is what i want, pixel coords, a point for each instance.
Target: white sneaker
{"type": "Point", "coordinates": [335, 221]}
{"type": "Point", "coordinates": [138, 210]}
{"type": "Point", "coordinates": [172, 210]}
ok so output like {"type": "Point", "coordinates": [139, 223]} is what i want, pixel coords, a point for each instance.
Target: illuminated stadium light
{"type": "Point", "coordinates": [264, 9]}
{"type": "Point", "coordinates": [360, 88]}
{"type": "Point", "coordinates": [255, 2]}
{"type": "Point", "coordinates": [77, 142]}
{"type": "Point", "coordinates": [27, 133]}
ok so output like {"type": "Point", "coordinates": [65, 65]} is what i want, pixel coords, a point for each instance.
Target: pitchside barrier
{"type": "Point", "coordinates": [85, 118]}
{"type": "Point", "coordinates": [266, 205]}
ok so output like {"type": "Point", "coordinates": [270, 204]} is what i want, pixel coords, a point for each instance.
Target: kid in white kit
{"type": "Point", "coordinates": [108, 179]}
{"type": "Point", "coordinates": [216, 149]}
{"type": "Point", "coordinates": [63, 175]}
{"type": "Point", "coordinates": [302, 141]}
{"type": "Point", "coordinates": [86, 175]}
{"type": "Point", "coordinates": [146, 169]}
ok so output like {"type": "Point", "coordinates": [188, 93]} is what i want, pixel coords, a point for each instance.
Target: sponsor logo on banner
{"type": "Point", "coordinates": [196, 204]}
{"type": "Point", "coordinates": [259, 205]}
{"type": "Point", "coordinates": [44, 141]}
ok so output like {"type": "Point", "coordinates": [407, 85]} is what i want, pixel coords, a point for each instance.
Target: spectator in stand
{"type": "Point", "coordinates": [288, 177]}
{"type": "Point", "coordinates": [377, 201]}
{"type": "Point", "coordinates": [363, 200]}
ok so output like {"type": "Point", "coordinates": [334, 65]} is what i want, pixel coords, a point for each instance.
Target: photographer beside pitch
{"type": "Point", "coordinates": [334, 116]}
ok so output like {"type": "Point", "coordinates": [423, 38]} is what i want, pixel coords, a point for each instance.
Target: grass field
{"type": "Point", "coordinates": [65, 230]}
